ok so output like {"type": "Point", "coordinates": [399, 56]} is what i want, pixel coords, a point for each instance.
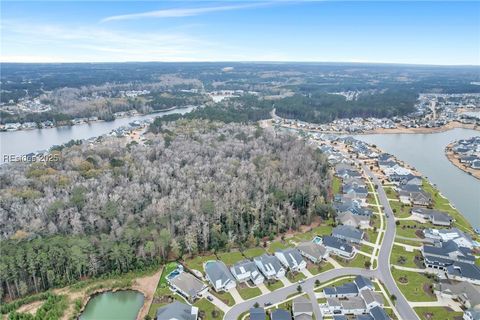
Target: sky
{"type": "Point", "coordinates": [425, 32]}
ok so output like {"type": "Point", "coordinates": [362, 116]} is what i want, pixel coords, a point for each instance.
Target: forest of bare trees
{"type": "Point", "coordinates": [110, 207]}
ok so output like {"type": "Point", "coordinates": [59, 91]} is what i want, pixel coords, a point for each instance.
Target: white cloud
{"type": "Point", "coordinates": [180, 12]}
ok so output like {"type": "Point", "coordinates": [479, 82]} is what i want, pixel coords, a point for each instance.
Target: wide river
{"type": "Point", "coordinates": [426, 153]}
{"type": "Point", "coordinates": [26, 141]}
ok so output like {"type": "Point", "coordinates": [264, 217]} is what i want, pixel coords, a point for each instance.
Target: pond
{"type": "Point", "coordinates": [120, 305]}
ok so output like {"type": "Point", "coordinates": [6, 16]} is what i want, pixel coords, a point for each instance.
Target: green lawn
{"type": "Point", "coordinates": [408, 228]}
{"type": "Point", "coordinates": [400, 210]}
{"type": "Point", "coordinates": [230, 258]}
{"type": "Point", "coordinates": [413, 290]}
{"type": "Point", "coordinates": [274, 286]}
{"type": "Point", "coordinates": [210, 311]}
{"type": "Point", "coordinates": [391, 194]}
{"type": "Point", "coordinates": [278, 245]}
{"type": "Point", "coordinates": [319, 268]}
{"type": "Point", "coordinates": [477, 260]}
{"type": "Point", "coordinates": [366, 249]}
{"type": "Point", "coordinates": [357, 262]}
{"type": "Point", "coordinates": [443, 204]}
{"type": "Point", "coordinates": [409, 242]}
{"type": "Point", "coordinates": [336, 185]}
{"type": "Point", "coordinates": [169, 267]}
{"type": "Point", "coordinates": [372, 235]}
{"type": "Point", "coordinates": [444, 313]}
{"type": "Point", "coordinates": [295, 277]}
{"type": "Point", "coordinates": [324, 229]}
{"type": "Point", "coordinates": [226, 297]}
{"type": "Point", "coordinates": [197, 262]}
{"type": "Point", "coordinates": [398, 252]}
{"type": "Point", "coordinates": [254, 252]}
{"type": "Point", "coordinates": [249, 293]}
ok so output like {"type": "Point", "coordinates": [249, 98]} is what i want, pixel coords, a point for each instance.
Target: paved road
{"type": "Point", "coordinates": [384, 272]}
{"type": "Point", "coordinates": [282, 293]}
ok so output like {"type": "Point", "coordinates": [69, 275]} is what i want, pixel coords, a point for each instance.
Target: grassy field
{"type": "Point", "coordinates": [230, 258]}
{"type": "Point", "coordinates": [413, 290]}
{"type": "Point", "coordinates": [336, 185]}
{"type": "Point", "coordinates": [366, 249]}
{"type": "Point", "coordinates": [400, 210]}
{"type": "Point", "coordinates": [274, 286]}
{"type": "Point", "coordinates": [408, 228]}
{"type": "Point", "coordinates": [225, 297]}
{"type": "Point", "coordinates": [197, 262]}
{"type": "Point", "coordinates": [372, 235]}
{"type": "Point", "coordinates": [254, 252]}
{"type": "Point", "coordinates": [357, 262]}
{"type": "Point", "coordinates": [443, 204]}
{"type": "Point", "coordinates": [249, 293]}
{"type": "Point", "coordinates": [210, 311]}
{"type": "Point", "coordinates": [278, 245]}
{"type": "Point", "coordinates": [295, 277]}
{"type": "Point", "coordinates": [398, 252]}
{"type": "Point", "coordinates": [444, 313]}
{"type": "Point", "coordinates": [319, 268]}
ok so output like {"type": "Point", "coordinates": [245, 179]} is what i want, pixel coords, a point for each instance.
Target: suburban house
{"type": "Point", "coordinates": [378, 313]}
{"type": "Point", "coordinates": [396, 169]}
{"type": "Point", "coordinates": [354, 207]}
{"type": "Point", "coordinates": [462, 271]}
{"type": "Point", "coordinates": [436, 217]}
{"type": "Point", "coordinates": [363, 283]}
{"type": "Point", "coordinates": [372, 299]}
{"type": "Point", "coordinates": [177, 310]}
{"type": "Point", "coordinates": [348, 233]}
{"type": "Point", "coordinates": [346, 290]}
{"type": "Point", "coordinates": [353, 220]}
{"type": "Point", "coordinates": [443, 235]}
{"type": "Point", "coordinates": [302, 308]}
{"type": "Point", "coordinates": [258, 314]}
{"type": "Point", "coordinates": [351, 305]}
{"type": "Point", "coordinates": [188, 286]}
{"type": "Point", "coordinates": [246, 270]}
{"type": "Point", "coordinates": [270, 266]}
{"type": "Point", "coordinates": [465, 292]}
{"type": "Point", "coordinates": [444, 255]}
{"type": "Point", "coordinates": [338, 247]}
{"type": "Point", "coordinates": [313, 251]}
{"type": "Point", "coordinates": [219, 276]}
{"type": "Point", "coordinates": [291, 258]}
{"type": "Point", "coordinates": [413, 194]}
{"type": "Point", "coordinates": [280, 314]}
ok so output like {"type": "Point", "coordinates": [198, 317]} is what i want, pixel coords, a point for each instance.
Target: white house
{"type": "Point", "coordinates": [270, 266]}
{"type": "Point", "coordinates": [246, 270]}
{"type": "Point", "coordinates": [291, 258]}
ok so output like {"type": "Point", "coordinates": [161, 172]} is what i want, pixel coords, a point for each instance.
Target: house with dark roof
{"type": "Point", "coordinates": [363, 283]}
{"type": "Point", "coordinates": [291, 258]}
{"type": "Point", "coordinates": [379, 313]}
{"type": "Point", "coordinates": [462, 271]}
{"type": "Point", "coordinates": [270, 266]}
{"type": "Point", "coordinates": [338, 246]}
{"type": "Point", "coordinates": [345, 290]}
{"type": "Point", "coordinates": [246, 270]}
{"type": "Point", "coordinates": [280, 314]}
{"type": "Point", "coordinates": [313, 251]}
{"type": "Point", "coordinates": [443, 235]}
{"type": "Point", "coordinates": [219, 276]}
{"type": "Point", "coordinates": [445, 254]}
{"type": "Point", "coordinates": [177, 311]}
{"type": "Point", "coordinates": [258, 314]}
{"type": "Point", "coordinates": [348, 233]}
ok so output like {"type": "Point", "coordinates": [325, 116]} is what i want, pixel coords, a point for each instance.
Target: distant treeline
{"type": "Point", "coordinates": [323, 107]}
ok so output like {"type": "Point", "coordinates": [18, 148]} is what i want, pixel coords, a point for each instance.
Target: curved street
{"type": "Point", "coordinates": [383, 272]}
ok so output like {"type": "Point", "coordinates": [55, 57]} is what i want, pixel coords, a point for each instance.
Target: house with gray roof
{"type": "Point", "coordinates": [338, 246]}
{"type": "Point", "coordinates": [379, 313]}
{"type": "Point", "coordinates": [345, 290]}
{"type": "Point", "coordinates": [246, 270]}
{"type": "Point", "coordinates": [280, 314]}
{"type": "Point", "coordinates": [291, 258]}
{"type": "Point", "coordinates": [354, 221]}
{"type": "Point", "coordinates": [351, 305]}
{"type": "Point", "coordinates": [219, 276]}
{"type": "Point", "coordinates": [471, 314]}
{"type": "Point", "coordinates": [188, 286]}
{"type": "Point", "coordinates": [465, 292]}
{"type": "Point", "coordinates": [443, 235]}
{"type": "Point", "coordinates": [348, 233]}
{"type": "Point", "coordinates": [270, 266]}
{"type": "Point", "coordinates": [177, 311]}
{"type": "Point", "coordinates": [313, 251]}
{"type": "Point", "coordinates": [372, 299]}
{"type": "Point", "coordinates": [439, 218]}
{"type": "Point", "coordinates": [302, 307]}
